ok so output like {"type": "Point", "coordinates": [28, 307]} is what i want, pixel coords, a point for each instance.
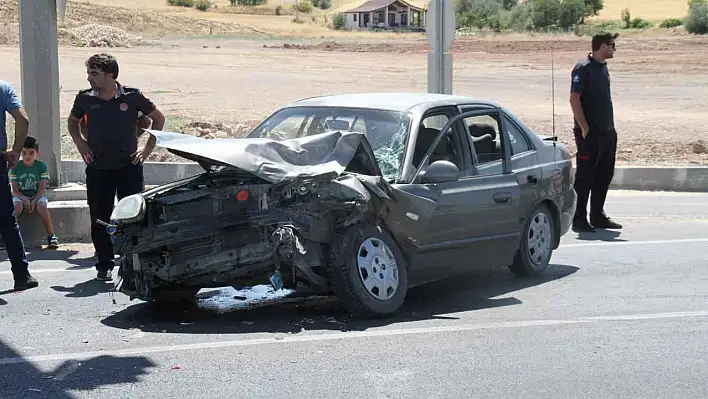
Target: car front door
{"type": "Point", "coordinates": [456, 226]}
{"type": "Point", "coordinates": [495, 195]}
{"type": "Point", "coordinates": [433, 220]}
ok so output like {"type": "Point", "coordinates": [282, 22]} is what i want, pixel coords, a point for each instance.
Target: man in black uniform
{"type": "Point", "coordinates": [595, 134]}
{"type": "Point", "coordinates": [110, 151]}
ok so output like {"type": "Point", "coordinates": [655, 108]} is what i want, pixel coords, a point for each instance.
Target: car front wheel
{"type": "Point", "coordinates": [368, 271]}
{"type": "Point", "coordinates": [536, 244]}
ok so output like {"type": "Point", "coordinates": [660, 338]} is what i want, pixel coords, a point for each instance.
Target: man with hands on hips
{"type": "Point", "coordinates": [110, 151]}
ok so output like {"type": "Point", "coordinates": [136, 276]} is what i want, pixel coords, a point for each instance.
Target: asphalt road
{"type": "Point", "coordinates": [616, 316]}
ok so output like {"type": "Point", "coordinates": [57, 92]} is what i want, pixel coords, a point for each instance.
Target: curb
{"type": "Point", "coordinates": [659, 178]}
{"type": "Point", "coordinates": [71, 216]}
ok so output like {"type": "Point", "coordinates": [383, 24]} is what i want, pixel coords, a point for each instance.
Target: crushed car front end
{"type": "Point", "coordinates": [230, 227]}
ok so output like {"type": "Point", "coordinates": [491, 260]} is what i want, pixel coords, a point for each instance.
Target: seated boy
{"type": "Point", "coordinates": [29, 181]}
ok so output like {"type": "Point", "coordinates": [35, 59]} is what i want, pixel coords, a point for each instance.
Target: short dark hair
{"type": "Point", "coordinates": [104, 62]}
{"type": "Point", "coordinates": [602, 38]}
{"type": "Point", "coordinates": [31, 143]}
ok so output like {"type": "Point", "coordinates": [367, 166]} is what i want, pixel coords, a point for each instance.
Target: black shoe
{"type": "Point", "coordinates": [581, 225]}
{"type": "Point", "coordinates": [104, 275]}
{"type": "Point", "coordinates": [603, 222]}
{"type": "Point", "coordinates": [30, 282]}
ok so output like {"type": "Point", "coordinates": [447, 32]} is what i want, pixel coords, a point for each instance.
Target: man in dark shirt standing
{"type": "Point", "coordinates": [110, 151]}
{"type": "Point", "coordinates": [595, 134]}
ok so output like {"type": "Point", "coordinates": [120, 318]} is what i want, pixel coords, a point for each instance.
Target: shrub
{"type": "Point", "coordinates": [181, 3]}
{"type": "Point", "coordinates": [202, 5]}
{"type": "Point", "coordinates": [247, 2]}
{"type": "Point", "coordinates": [638, 23]}
{"type": "Point", "coordinates": [696, 21]}
{"type": "Point", "coordinates": [671, 23]}
{"type": "Point", "coordinates": [338, 22]}
{"type": "Point", "coordinates": [303, 6]}
{"type": "Point", "coordinates": [626, 18]}
{"type": "Point", "coordinates": [321, 4]}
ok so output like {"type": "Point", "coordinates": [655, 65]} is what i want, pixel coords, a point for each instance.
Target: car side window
{"type": "Point", "coordinates": [517, 139]}
{"type": "Point", "coordinates": [485, 138]}
{"type": "Point", "coordinates": [428, 131]}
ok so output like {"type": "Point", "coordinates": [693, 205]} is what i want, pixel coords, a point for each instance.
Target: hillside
{"type": "Point", "coordinates": [653, 10]}
{"type": "Point", "coordinates": [153, 19]}
{"type": "Point", "coordinates": [647, 9]}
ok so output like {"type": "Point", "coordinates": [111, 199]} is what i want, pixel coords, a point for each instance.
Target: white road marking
{"type": "Point", "coordinates": [664, 203]}
{"type": "Point", "coordinates": [342, 335]}
{"type": "Point", "coordinates": [623, 243]}
{"type": "Point", "coordinates": [33, 271]}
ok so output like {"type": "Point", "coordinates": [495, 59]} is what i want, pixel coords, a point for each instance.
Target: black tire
{"type": "Point", "coordinates": [524, 265]}
{"type": "Point", "coordinates": [345, 278]}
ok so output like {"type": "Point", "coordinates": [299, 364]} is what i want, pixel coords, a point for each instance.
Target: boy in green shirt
{"type": "Point", "coordinates": [29, 181]}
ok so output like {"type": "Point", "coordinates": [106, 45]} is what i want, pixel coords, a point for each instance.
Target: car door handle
{"type": "Point", "coordinates": [532, 179]}
{"type": "Point", "coordinates": [501, 198]}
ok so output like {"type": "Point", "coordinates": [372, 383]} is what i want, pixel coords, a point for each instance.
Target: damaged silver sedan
{"type": "Point", "coordinates": [362, 196]}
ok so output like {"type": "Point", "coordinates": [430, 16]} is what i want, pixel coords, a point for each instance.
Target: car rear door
{"type": "Point", "coordinates": [524, 164]}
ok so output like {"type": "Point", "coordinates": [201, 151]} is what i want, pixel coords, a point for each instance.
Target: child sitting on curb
{"type": "Point", "coordinates": [29, 183]}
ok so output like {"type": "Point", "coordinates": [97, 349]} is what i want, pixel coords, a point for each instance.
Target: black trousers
{"type": "Point", "coordinates": [102, 186]}
{"type": "Point", "coordinates": [594, 171]}
{"type": "Point", "coordinates": [9, 228]}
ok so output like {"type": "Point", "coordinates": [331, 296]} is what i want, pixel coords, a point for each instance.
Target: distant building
{"type": "Point", "coordinates": [385, 14]}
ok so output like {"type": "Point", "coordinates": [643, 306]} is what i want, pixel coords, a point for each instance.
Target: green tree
{"type": "Point", "coordinates": [696, 21]}
{"type": "Point", "coordinates": [479, 13]}
{"type": "Point", "coordinates": [593, 7]}
{"type": "Point", "coordinates": [571, 13]}
{"type": "Point", "coordinates": [521, 16]}
{"type": "Point", "coordinates": [509, 4]}
{"type": "Point", "coordinates": [545, 13]}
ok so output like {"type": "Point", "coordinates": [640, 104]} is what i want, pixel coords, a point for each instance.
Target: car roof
{"type": "Point", "coordinates": [400, 102]}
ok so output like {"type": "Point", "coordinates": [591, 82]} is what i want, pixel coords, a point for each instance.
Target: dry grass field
{"type": "Point", "coordinates": [652, 10]}
{"type": "Point", "coordinates": [659, 78]}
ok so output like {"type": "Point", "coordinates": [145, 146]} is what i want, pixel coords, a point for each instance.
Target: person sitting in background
{"type": "Point", "coordinates": [29, 184]}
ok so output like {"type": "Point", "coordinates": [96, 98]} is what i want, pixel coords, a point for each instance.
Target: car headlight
{"type": "Point", "coordinates": [129, 209]}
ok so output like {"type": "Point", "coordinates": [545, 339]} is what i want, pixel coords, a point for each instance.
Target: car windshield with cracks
{"type": "Point", "coordinates": [385, 130]}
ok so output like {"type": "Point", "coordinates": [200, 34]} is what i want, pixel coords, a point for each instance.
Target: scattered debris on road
{"type": "Point", "coordinates": [222, 301]}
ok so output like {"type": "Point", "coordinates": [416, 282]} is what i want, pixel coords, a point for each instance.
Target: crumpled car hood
{"type": "Point", "coordinates": [272, 160]}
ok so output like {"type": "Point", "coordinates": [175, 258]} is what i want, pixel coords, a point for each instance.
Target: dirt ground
{"type": "Point", "coordinates": [660, 83]}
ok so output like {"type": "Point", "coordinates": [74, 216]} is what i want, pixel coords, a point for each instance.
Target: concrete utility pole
{"type": "Point", "coordinates": [440, 33]}
{"type": "Point", "coordinates": [39, 60]}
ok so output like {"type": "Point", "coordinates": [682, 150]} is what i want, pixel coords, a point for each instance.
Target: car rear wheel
{"type": "Point", "coordinates": [536, 244]}
{"type": "Point", "coordinates": [368, 272]}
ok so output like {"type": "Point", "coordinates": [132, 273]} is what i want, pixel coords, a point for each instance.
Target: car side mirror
{"type": "Point", "coordinates": [439, 172]}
